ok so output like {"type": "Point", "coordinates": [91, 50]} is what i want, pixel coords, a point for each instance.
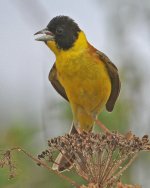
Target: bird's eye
{"type": "Point", "coordinates": [59, 30]}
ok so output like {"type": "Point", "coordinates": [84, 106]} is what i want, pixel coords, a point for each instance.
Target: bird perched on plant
{"type": "Point", "coordinates": [81, 74]}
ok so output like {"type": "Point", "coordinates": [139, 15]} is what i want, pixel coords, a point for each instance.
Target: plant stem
{"type": "Point", "coordinates": [45, 166]}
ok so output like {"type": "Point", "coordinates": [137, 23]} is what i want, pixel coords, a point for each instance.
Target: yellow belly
{"type": "Point", "coordinates": [87, 85]}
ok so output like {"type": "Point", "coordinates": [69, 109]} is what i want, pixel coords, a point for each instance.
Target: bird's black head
{"type": "Point", "coordinates": [63, 30]}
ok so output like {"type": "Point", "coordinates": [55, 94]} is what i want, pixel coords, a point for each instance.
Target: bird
{"type": "Point", "coordinates": [81, 74]}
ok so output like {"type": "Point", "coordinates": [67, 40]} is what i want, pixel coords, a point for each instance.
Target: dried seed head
{"type": "Point", "coordinates": [99, 158]}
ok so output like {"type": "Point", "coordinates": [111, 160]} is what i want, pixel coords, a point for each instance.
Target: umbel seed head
{"type": "Point", "coordinates": [101, 159]}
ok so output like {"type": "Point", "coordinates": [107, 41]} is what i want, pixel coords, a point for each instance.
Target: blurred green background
{"type": "Point", "coordinates": [31, 111]}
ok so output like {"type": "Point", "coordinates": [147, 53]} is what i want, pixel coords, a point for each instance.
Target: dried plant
{"type": "Point", "coordinates": [119, 185]}
{"type": "Point", "coordinates": [91, 185]}
{"type": "Point", "coordinates": [100, 159]}
{"type": "Point", "coordinates": [7, 161]}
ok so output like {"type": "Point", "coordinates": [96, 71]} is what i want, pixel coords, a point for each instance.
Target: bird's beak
{"type": "Point", "coordinates": [46, 35]}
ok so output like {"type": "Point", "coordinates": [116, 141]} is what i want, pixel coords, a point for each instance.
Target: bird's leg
{"type": "Point", "coordinates": [102, 126]}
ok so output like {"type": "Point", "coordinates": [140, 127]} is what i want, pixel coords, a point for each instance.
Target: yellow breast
{"type": "Point", "coordinates": [83, 76]}
{"type": "Point", "coordinates": [86, 83]}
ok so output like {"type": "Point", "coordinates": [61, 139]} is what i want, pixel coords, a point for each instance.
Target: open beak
{"type": "Point", "coordinates": [46, 35]}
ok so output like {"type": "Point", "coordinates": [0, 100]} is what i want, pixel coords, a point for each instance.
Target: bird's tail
{"type": "Point", "coordinates": [65, 161]}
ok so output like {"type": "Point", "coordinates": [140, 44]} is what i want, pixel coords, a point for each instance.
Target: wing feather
{"type": "Point", "coordinates": [115, 81]}
{"type": "Point", "coordinates": [55, 82]}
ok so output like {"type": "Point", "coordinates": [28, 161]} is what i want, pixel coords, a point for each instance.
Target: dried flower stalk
{"type": "Point", "coordinates": [119, 185]}
{"type": "Point", "coordinates": [7, 161]}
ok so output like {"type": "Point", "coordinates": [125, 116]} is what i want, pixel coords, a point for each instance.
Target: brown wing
{"type": "Point", "coordinates": [55, 82]}
{"type": "Point", "coordinates": [115, 81]}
